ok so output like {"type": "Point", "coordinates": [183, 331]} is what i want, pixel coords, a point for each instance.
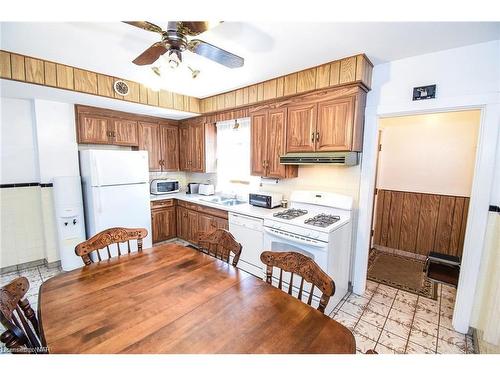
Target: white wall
{"type": "Point", "coordinates": [459, 73]}
{"type": "Point", "coordinates": [433, 153]}
{"type": "Point", "coordinates": [466, 77]}
{"type": "Point", "coordinates": [38, 143]}
{"type": "Point", "coordinates": [495, 191]}
{"type": "Point", "coordinates": [18, 163]}
{"type": "Point", "coordinates": [56, 139]}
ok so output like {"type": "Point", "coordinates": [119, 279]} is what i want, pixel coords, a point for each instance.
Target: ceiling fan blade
{"type": "Point", "coordinates": [150, 55]}
{"type": "Point", "coordinates": [145, 25]}
{"type": "Point", "coordinates": [215, 53]}
{"type": "Point", "coordinates": [194, 28]}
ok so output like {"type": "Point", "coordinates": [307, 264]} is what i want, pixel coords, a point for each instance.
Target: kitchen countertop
{"type": "Point", "coordinates": [243, 209]}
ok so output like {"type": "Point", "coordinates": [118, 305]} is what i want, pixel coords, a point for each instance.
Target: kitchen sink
{"type": "Point", "coordinates": [232, 202]}
{"type": "Point", "coordinates": [223, 201]}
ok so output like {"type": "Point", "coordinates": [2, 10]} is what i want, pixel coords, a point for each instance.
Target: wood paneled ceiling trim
{"type": "Point", "coordinates": [353, 69]}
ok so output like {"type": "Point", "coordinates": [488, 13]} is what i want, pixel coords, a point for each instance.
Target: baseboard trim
{"type": "Point", "coordinates": [34, 263]}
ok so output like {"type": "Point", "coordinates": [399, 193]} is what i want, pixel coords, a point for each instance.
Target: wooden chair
{"type": "Point", "coordinates": [108, 237]}
{"type": "Point", "coordinates": [22, 333]}
{"type": "Point", "coordinates": [220, 244]}
{"type": "Point", "coordinates": [303, 266]}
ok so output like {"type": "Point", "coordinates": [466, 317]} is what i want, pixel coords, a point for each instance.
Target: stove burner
{"type": "Point", "coordinates": [290, 214]}
{"type": "Point", "coordinates": [322, 220]}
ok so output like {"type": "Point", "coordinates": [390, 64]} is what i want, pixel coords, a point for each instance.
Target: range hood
{"type": "Point", "coordinates": [338, 158]}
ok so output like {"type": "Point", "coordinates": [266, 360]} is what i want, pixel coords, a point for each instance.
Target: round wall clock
{"type": "Point", "coordinates": [121, 88]}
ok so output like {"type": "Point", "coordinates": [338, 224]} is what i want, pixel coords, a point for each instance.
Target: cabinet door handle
{"type": "Point", "coordinates": [317, 137]}
{"type": "Point", "coordinates": [312, 137]}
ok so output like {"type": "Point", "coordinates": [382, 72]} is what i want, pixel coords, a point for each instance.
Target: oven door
{"type": "Point", "coordinates": [278, 240]}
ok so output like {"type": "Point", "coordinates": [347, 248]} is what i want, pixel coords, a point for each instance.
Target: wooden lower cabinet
{"type": "Point", "coordinates": [182, 225]}
{"type": "Point", "coordinates": [163, 220]}
{"type": "Point", "coordinates": [190, 221]}
{"type": "Point", "coordinates": [209, 223]}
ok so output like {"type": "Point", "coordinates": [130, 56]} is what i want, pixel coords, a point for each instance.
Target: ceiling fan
{"type": "Point", "coordinates": [174, 41]}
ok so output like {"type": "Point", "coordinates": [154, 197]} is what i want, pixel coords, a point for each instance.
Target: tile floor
{"type": "Point", "coordinates": [392, 321]}
{"type": "Point", "coordinates": [384, 318]}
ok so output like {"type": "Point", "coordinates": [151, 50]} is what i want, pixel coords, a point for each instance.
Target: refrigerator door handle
{"type": "Point", "coordinates": [99, 202]}
{"type": "Point", "coordinates": [95, 170]}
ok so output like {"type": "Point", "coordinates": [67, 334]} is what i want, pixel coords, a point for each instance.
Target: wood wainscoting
{"type": "Point", "coordinates": [419, 223]}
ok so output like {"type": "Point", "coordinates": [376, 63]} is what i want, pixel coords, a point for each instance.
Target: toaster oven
{"type": "Point", "coordinates": [164, 186]}
{"type": "Point", "coordinates": [265, 199]}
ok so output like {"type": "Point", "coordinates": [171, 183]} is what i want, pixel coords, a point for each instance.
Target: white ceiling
{"type": "Point", "coordinates": [269, 49]}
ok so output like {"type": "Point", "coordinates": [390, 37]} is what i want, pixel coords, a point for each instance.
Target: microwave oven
{"type": "Point", "coordinates": [164, 186]}
{"type": "Point", "coordinates": [264, 199]}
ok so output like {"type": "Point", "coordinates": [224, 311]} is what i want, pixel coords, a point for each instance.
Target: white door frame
{"type": "Point", "coordinates": [480, 193]}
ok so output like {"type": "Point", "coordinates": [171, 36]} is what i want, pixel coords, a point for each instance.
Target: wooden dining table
{"type": "Point", "coordinates": [175, 299]}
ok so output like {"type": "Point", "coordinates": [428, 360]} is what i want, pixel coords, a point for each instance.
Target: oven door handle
{"type": "Point", "coordinates": [280, 234]}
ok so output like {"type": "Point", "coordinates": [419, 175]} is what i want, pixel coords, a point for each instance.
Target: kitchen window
{"type": "Point", "coordinates": [233, 157]}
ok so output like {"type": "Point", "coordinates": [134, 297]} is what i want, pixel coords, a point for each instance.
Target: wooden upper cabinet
{"type": "Point", "coordinates": [276, 142]}
{"type": "Point", "coordinates": [94, 129]}
{"type": "Point", "coordinates": [331, 122]}
{"type": "Point", "coordinates": [335, 125]}
{"type": "Point", "coordinates": [149, 140]}
{"type": "Point", "coordinates": [169, 136]}
{"type": "Point", "coordinates": [268, 143]}
{"type": "Point", "coordinates": [125, 133]}
{"type": "Point", "coordinates": [184, 149]}
{"type": "Point", "coordinates": [197, 145]}
{"type": "Point", "coordinates": [301, 128]}
{"type": "Point", "coordinates": [258, 143]}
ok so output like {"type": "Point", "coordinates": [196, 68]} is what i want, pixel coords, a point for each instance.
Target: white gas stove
{"type": "Point", "coordinates": [318, 225]}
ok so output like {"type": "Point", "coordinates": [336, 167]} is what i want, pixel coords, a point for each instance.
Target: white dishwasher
{"type": "Point", "coordinates": [248, 231]}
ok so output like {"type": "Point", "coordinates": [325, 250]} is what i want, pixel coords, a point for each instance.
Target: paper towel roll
{"type": "Point", "coordinates": [268, 181]}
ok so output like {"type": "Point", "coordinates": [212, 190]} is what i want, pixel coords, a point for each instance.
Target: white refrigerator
{"type": "Point", "coordinates": [116, 191]}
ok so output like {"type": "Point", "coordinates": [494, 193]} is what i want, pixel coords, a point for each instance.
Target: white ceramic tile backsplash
{"type": "Point", "coordinates": [22, 233]}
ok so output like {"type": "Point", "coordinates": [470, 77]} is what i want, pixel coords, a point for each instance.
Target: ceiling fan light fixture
{"type": "Point", "coordinates": [174, 58]}
{"type": "Point", "coordinates": [194, 72]}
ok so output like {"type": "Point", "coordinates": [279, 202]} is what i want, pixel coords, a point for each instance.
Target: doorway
{"type": "Point", "coordinates": [424, 173]}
